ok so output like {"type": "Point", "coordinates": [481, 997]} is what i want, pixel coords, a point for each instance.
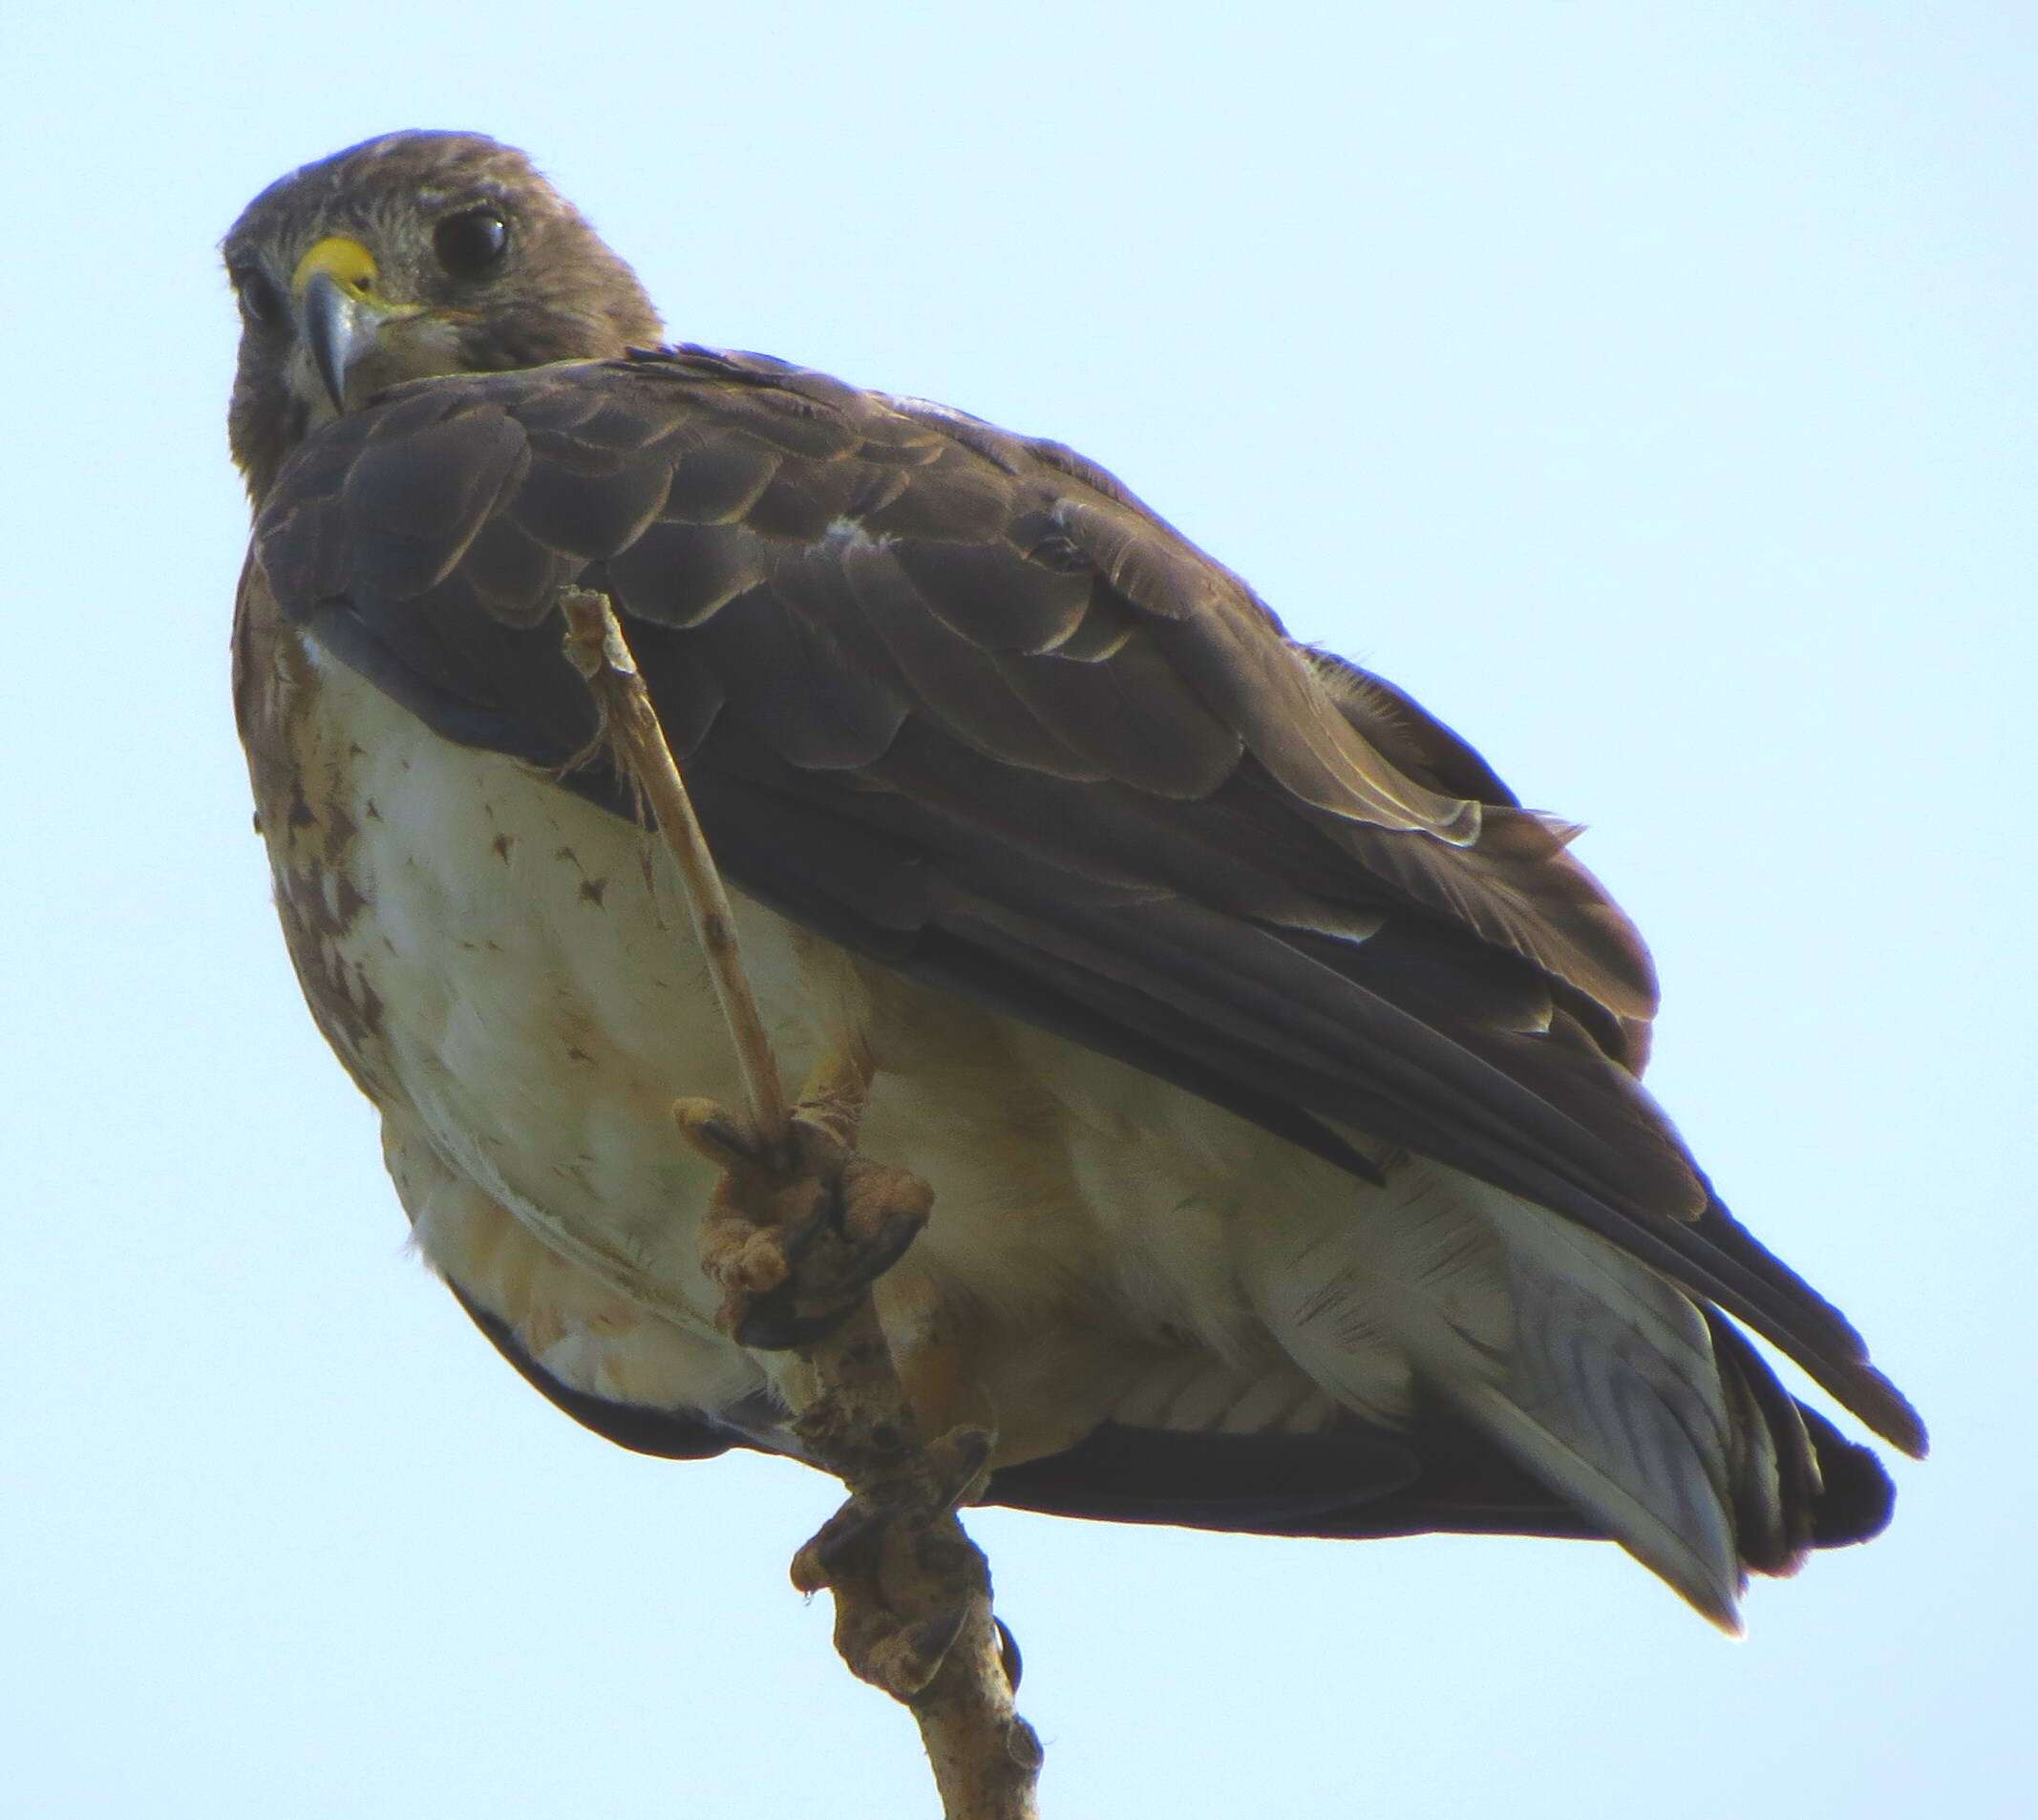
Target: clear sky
{"type": "Point", "coordinates": [1649, 388]}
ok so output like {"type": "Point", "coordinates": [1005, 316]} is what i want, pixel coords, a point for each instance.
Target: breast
{"type": "Point", "coordinates": [503, 967]}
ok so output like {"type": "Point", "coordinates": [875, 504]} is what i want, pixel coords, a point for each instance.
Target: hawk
{"type": "Point", "coordinates": [1276, 1072]}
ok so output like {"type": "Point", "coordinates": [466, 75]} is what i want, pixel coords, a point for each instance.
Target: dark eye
{"type": "Point", "coordinates": [471, 245]}
{"type": "Point", "coordinates": [262, 303]}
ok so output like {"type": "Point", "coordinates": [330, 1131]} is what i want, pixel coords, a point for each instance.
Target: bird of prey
{"type": "Point", "coordinates": [1276, 1073]}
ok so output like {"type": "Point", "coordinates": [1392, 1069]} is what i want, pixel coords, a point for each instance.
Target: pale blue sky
{"type": "Point", "coordinates": [1648, 389]}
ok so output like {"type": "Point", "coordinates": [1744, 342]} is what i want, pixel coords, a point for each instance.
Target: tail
{"type": "Point", "coordinates": [1647, 1413]}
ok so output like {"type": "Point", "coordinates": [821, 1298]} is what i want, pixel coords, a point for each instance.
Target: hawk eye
{"type": "Point", "coordinates": [262, 303]}
{"type": "Point", "coordinates": [471, 245]}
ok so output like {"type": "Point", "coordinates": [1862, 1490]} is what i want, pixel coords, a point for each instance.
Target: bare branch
{"type": "Point", "coordinates": [800, 1229]}
{"type": "Point", "coordinates": [597, 648]}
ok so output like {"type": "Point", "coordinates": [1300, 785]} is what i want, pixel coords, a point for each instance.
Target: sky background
{"type": "Point", "coordinates": [1649, 389]}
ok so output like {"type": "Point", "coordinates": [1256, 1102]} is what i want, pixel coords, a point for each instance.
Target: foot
{"type": "Point", "coordinates": [793, 1242]}
{"type": "Point", "coordinates": [906, 1579]}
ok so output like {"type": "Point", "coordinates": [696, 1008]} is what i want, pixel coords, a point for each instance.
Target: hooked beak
{"type": "Point", "coordinates": [341, 317]}
{"type": "Point", "coordinates": [339, 329]}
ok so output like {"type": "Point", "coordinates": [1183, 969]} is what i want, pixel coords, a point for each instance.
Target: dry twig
{"type": "Point", "coordinates": [596, 647]}
{"type": "Point", "coordinates": [802, 1227]}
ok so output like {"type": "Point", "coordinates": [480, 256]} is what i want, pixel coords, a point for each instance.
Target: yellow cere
{"type": "Point", "coordinates": [347, 262]}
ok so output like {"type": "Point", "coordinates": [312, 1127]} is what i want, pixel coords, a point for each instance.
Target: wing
{"type": "Point", "coordinates": [958, 701]}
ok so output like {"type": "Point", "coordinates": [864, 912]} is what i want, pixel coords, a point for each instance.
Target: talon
{"type": "Point", "coordinates": [836, 1545]}
{"type": "Point", "coordinates": [956, 1462]}
{"type": "Point", "coordinates": [709, 1127]}
{"type": "Point", "coordinates": [911, 1658]}
{"type": "Point", "coordinates": [1008, 1657]}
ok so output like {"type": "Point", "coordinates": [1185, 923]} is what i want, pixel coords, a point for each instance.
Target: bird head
{"type": "Point", "coordinates": [405, 257]}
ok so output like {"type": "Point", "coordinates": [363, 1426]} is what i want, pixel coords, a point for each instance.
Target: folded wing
{"type": "Point", "coordinates": [957, 700]}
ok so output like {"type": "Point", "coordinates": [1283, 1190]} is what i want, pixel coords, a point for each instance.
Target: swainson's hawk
{"type": "Point", "coordinates": [1276, 1073]}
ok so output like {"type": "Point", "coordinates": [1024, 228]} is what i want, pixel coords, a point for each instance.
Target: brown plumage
{"type": "Point", "coordinates": [956, 703]}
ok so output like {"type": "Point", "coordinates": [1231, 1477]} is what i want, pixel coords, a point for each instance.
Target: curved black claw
{"type": "Point", "coordinates": [1008, 1656]}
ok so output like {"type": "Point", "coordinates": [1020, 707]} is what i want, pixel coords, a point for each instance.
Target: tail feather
{"type": "Point", "coordinates": [1648, 1412]}
{"type": "Point", "coordinates": [1775, 1474]}
{"type": "Point", "coordinates": [1610, 1392]}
